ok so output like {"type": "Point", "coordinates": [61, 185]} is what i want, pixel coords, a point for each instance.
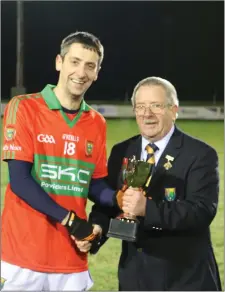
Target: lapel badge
{"type": "Point", "coordinates": [168, 164]}
{"type": "Point", "coordinates": [170, 194]}
{"type": "Point", "coordinates": [89, 148]}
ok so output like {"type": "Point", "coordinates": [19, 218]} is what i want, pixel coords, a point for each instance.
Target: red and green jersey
{"type": "Point", "coordinates": [65, 154]}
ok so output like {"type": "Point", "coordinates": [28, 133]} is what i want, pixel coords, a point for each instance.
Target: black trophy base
{"type": "Point", "coordinates": [124, 229]}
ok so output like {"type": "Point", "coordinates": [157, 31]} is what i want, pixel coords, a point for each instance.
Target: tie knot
{"type": "Point", "coordinates": [151, 148]}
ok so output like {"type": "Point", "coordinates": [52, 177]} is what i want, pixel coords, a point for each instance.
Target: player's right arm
{"type": "Point", "coordinates": [18, 151]}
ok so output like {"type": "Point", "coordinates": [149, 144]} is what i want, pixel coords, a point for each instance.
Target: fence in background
{"type": "Point", "coordinates": [185, 112]}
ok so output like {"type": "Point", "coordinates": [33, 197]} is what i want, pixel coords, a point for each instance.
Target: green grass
{"type": "Point", "coordinates": [103, 266]}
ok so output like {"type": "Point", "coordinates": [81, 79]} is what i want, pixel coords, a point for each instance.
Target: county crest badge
{"type": "Point", "coordinates": [89, 148]}
{"type": "Point", "coordinates": [10, 133]}
{"type": "Point", "coordinates": [170, 194]}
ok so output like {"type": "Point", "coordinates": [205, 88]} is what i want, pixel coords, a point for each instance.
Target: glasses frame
{"type": "Point", "coordinates": [153, 108]}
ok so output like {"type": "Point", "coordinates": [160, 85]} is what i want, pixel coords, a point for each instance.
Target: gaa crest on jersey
{"type": "Point", "coordinates": [170, 194]}
{"type": "Point", "coordinates": [10, 133]}
{"type": "Point", "coordinates": [2, 282]}
{"type": "Point", "coordinates": [89, 145]}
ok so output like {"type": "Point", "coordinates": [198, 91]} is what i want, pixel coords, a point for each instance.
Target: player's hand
{"type": "Point", "coordinates": [84, 245]}
{"type": "Point", "coordinates": [97, 230]}
{"type": "Point", "coordinates": [79, 228]}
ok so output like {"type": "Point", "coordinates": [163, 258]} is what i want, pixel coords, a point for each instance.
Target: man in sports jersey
{"type": "Point", "coordinates": [55, 147]}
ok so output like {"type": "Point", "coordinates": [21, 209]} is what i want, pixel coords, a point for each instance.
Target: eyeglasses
{"type": "Point", "coordinates": [156, 108]}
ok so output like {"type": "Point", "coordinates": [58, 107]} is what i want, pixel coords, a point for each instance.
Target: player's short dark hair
{"type": "Point", "coordinates": [85, 38]}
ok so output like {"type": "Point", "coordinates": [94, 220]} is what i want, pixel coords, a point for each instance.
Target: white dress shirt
{"type": "Point", "coordinates": [161, 144]}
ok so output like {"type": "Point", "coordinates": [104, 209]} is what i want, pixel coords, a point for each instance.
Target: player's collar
{"type": "Point", "coordinates": [53, 102]}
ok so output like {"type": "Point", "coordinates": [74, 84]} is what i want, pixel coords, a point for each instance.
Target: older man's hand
{"type": "Point", "coordinates": [134, 202]}
{"type": "Point", "coordinates": [84, 245]}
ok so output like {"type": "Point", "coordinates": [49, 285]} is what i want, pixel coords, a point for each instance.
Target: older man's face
{"type": "Point", "coordinates": [153, 114]}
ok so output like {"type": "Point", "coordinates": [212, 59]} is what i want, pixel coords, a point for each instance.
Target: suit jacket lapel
{"type": "Point", "coordinates": [172, 149]}
{"type": "Point", "coordinates": [134, 149]}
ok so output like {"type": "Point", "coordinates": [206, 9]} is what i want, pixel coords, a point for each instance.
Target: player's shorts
{"type": "Point", "coordinates": [14, 278]}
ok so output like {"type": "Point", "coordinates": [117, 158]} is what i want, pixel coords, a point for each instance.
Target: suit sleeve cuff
{"type": "Point", "coordinates": [152, 216]}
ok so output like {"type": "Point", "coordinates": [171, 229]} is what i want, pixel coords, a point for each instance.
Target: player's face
{"type": "Point", "coordinates": [156, 121]}
{"type": "Point", "coordinates": [78, 69]}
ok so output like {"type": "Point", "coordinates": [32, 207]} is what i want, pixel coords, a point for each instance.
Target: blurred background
{"type": "Point", "coordinates": [180, 41]}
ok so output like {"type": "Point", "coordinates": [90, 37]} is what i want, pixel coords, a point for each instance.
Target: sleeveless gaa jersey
{"type": "Point", "coordinates": [65, 155]}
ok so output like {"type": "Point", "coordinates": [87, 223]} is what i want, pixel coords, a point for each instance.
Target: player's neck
{"type": "Point", "coordinates": [66, 100]}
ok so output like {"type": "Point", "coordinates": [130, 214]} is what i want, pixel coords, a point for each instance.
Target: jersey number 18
{"type": "Point", "coordinates": [69, 148]}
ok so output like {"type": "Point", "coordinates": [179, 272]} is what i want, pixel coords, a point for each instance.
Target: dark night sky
{"type": "Point", "coordinates": [180, 41]}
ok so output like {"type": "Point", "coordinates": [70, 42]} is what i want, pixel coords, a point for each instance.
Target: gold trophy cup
{"type": "Point", "coordinates": [136, 174]}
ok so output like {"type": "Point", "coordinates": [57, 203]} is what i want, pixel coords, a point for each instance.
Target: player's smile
{"type": "Point", "coordinates": [77, 81]}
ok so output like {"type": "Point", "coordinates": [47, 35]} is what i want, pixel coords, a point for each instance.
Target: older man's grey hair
{"type": "Point", "coordinates": [170, 90]}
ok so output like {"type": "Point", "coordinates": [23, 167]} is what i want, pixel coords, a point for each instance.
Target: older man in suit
{"type": "Point", "coordinates": [173, 250]}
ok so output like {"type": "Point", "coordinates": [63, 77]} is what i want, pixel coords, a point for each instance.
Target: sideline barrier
{"type": "Point", "coordinates": [185, 112]}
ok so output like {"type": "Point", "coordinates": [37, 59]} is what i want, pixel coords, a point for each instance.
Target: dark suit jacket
{"type": "Point", "coordinates": [173, 250]}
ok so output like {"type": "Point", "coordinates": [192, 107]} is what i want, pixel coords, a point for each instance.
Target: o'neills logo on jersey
{"type": "Point", "coordinates": [43, 138]}
{"type": "Point", "coordinates": [70, 137]}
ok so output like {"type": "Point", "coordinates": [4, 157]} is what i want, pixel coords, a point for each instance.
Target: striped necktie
{"type": "Point", "coordinates": [151, 148]}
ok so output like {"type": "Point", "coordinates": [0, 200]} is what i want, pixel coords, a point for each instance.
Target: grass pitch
{"type": "Point", "coordinates": [103, 266]}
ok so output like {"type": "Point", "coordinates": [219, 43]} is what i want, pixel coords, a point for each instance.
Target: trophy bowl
{"type": "Point", "coordinates": [136, 174]}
